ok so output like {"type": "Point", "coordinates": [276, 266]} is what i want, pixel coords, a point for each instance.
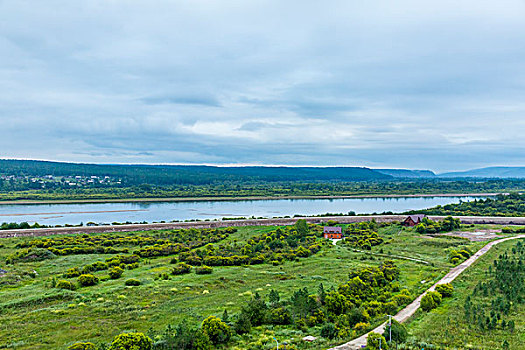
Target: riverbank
{"type": "Point", "coordinates": [248, 198]}
{"type": "Point", "coordinates": [489, 220]}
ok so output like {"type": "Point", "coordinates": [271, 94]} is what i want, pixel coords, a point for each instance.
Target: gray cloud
{"type": "Point", "coordinates": [436, 84]}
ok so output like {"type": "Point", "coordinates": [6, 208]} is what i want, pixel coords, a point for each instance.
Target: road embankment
{"type": "Point", "coordinates": [248, 222]}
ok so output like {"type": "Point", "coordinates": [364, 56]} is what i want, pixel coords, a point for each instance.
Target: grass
{"type": "Point", "coordinates": [446, 325]}
{"type": "Point", "coordinates": [35, 316]}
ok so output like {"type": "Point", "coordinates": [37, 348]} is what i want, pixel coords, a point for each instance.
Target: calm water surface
{"type": "Point", "coordinates": [60, 214]}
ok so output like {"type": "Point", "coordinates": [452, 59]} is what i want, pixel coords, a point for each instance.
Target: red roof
{"type": "Point", "coordinates": [332, 229]}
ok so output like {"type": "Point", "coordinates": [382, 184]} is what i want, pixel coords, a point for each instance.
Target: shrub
{"type": "Point", "coordinates": [446, 290]}
{"type": "Point", "coordinates": [181, 269]}
{"type": "Point", "coordinates": [217, 331]}
{"type": "Point", "coordinates": [82, 346]}
{"type": "Point", "coordinates": [361, 326]}
{"type": "Point", "coordinates": [373, 341]}
{"type": "Point", "coordinates": [242, 324]}
{"type": "Point", "coordinates": [63, 284]}
{"type": "Point", "coordinates": [430, 301]}
{"type": "Point", "coordinates": [87, 280]}
{"type": "Point", "coordinates": [115, 272]}
{"type": "Point", "coordinates": [280, 315]}
{"type": "Point", "coordinates": [132, 282]}
{"type": "Point", "coordinates": [73, 272]}
{"type": "Point", "coordinates": [131, 341]}
{"type": "Point", "coordinates": [399, 332]}
{"type": "Point", "coordinates": [203, 270]}
{"type": "Point", "coordinates": [328, 331]}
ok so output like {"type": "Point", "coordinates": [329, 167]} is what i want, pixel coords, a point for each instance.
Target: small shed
{"type": "Point", "coordinates": [333, 232]}
{"type": "Point", "coordinates": [413, 220]}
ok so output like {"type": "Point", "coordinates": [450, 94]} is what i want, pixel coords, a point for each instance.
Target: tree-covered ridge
{"type": "Point", "coordinates": [501, 205]}
{"type": "Point", "coordinates": [36, 180]}
{"type": "Point", "coordinates": [187, 174]}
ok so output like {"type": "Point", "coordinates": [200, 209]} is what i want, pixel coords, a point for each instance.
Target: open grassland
{"type": "Point", "coordinates": [447, 326]}
{"type": "Point", "coordinates": [34, 315]}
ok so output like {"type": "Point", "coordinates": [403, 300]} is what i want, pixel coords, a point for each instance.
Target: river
{"type": "Point", "coordinates": [61, 214]}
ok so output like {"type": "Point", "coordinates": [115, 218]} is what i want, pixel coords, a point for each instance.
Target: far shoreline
{"type": "Point", "coordinates": [236, 199]}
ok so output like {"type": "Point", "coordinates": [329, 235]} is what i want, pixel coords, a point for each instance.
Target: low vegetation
{"type": "Point", "coordinates": [229, 289]}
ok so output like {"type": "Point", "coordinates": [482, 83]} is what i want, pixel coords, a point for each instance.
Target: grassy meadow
{"type": "Point", "coordinates": [446, 325]}
{"type": "Point", "coordinates": [34, 315]}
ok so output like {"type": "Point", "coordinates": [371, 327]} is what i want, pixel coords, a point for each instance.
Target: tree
{"type": "Point", "coordinates": [218, 331]}
{"type": "Point", "coordinates": [131, 341]}
{"type": "Point", "coordinates": [274, 297]}
{"type": "Point", "coordinates": [373, 341]}
{"type": "Point", "coordinates": [328, 331]}
{"type": "Point", "coordinates": [225, 316]}
{"type": "Point", "coordinates": [321, 293]}
{"type": "Point", "coordinates": [446, 290]}
{"type": "Point", "coordinates": [242, 323]}
{"type": "Point", "coordinates": [399, 332]}
{"type": "Point", "coordinates": [201, 341]}
{"type": "Point", "coordinates": [302, 227]}
{"type": "Point", "coordinates": [430, 301]}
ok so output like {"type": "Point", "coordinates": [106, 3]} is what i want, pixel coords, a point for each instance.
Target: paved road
{"type": "Point", "coordinates": [248, 222]}
{"type": "Point", "coordinates": [408, 311]}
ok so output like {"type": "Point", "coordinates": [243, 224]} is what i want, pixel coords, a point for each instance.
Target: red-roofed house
{"type": "Point", "coordinates": [413, 220]}
{"type": "Point", "coordinates": [333, 232]}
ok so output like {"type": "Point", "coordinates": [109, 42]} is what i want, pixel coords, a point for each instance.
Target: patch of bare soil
{"type": "Point", "coordinates": [477, 236]}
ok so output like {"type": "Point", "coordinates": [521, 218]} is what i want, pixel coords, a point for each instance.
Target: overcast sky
{"type": "Point", "coordinates": [405, 84]}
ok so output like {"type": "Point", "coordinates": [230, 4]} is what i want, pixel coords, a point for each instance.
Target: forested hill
{"type": "Point", "coordinates": [180, 174]}
{"type": "Point", "coordinates": [490, 172]}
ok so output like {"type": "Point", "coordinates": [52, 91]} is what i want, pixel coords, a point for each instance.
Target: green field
{"type": "Point", "coordinates": [34, 315]}
{"type": "Point", "coordinates": [447, 326]}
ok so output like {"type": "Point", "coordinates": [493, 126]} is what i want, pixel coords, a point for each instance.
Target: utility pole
{"type": "Point", "coordinates": [390, 323]}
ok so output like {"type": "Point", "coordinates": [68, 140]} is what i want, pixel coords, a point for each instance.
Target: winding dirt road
{"type": "Point", "coordinates": [408, 311]}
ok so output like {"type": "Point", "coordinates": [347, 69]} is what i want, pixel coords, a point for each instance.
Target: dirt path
{"type": "Point", "coordinates": [248, 222]}
{"type": "Point", "coordinates": [408, 311]}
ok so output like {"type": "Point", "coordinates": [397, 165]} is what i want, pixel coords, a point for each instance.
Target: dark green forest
{"type": "Point", "coordinates": [39, 180]}
{"type": "Point", "coordinates": [501, 205]}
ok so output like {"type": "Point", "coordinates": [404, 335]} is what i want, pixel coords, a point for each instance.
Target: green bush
{"type": "Point", "coordinates": [131, 341]}
{"type": "Point", "coordinates": [203, 270]}
{"type": "Point", "coordinates": [115, 272]}
{"type": "Point", "coordinates": [446, 290]}
{"type": "Point", "coordinates": [218, 331]}
{"type": "Point", "coordinates": [373, 341]}
{"type": "Point", "coordinates": [430, 301]}
{"type": "Point", "coordinates": [87, 280]}
{"type": "Point", "coordinates": [242, 324]}
{"type": "Point", "coordinates": [63, 284]}
{"type": "Point", "coordinates": [280, 315]}
{"type": "Point", "coordinates": [399, 332]}
{"type": "Point", "coordinates": [73, 272]}
{"type": "Point", "coordinates": [82, 346]}
{"type": "Point", "coordinates": [132, 282]}
{"type": "Point", "coordinates": [328, 331]}
{"type": "Point", "coordinates": [181, 269]}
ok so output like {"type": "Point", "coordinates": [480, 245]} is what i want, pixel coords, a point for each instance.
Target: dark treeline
{"type": "Point", "coordinates": [501, 205]}
{"type": "Point", "coordinates": [38, 180]}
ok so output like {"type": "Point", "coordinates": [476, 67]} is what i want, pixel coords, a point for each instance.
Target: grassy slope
{"type": "Point", "coordinates": [99, 313]}
{"type": "Point", "coordinates": [446, 326]}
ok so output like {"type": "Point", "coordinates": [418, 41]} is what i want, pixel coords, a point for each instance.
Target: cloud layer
{"type": "Point", "coordinates": [410, 84]}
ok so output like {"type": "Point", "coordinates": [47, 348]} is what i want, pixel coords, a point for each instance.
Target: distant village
{"type": "Point", "coordinates": [51, 181]}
